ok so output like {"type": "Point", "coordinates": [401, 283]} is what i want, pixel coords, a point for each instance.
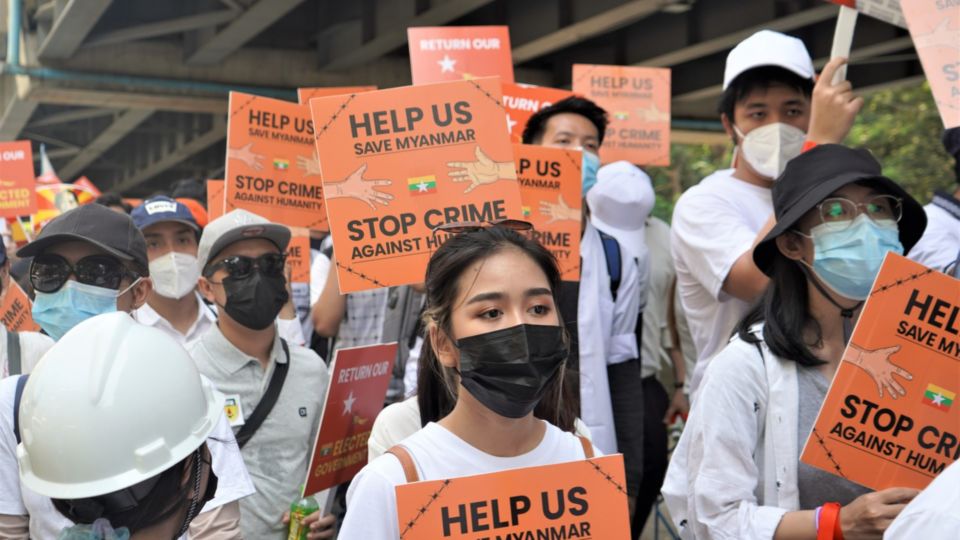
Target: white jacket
{"type": "Point", "coordinates": [734, 472]}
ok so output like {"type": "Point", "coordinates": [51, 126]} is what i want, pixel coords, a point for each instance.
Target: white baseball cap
{"type": "Point", "coordinates": [768, 48]}
{"type": "Point", "coordinates": [238, 225]}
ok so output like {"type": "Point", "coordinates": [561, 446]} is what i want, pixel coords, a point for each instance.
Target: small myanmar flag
{"type": "Point", "coordinates": [281, 164]}
{"type": "Point", "coordinates": [938, 398]}
{"type": "Point", "coordinates": [422, 185]}
{"type": "Point", "coordinates": [526, 211]}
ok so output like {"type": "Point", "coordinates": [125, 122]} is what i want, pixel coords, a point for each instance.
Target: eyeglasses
{"type": "Point", "coordinates": [459, 227]}
{"type": "Point", "coordinates": [878, 208]}
{"type": "Point", "coordinates": [241, 266]}
{"type": "Point", "coordinates": [49, 272]}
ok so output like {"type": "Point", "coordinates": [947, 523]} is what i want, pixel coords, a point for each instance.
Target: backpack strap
{"type": "Point", "coordinates": [21, 383]}
{"type": "Point", "coordinates": [406, 461]}
{"type": "Point", "coordinates": [13, 352]}
{"type": "Point", "coordinates": [587, 446]}
{"type": "Point", "coordinates": [611, 252]}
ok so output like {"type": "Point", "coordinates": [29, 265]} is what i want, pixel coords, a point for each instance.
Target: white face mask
{"type": "Point", "coordinates": [768, 148]}
{"type": "Point", "coordinates": [174, 274]}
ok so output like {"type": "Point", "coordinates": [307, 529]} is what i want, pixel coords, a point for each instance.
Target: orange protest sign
{"type": "Point", "coordinates": [550, 186]}
{"type": "Point", "coordinates": [935, 29]}
{"type": "Point", "coordinates": [359, 377]}
{"type": "Point", "coordinates": [578, 499]}
{"type": "Point", "coordinates": [522, 100]}
{"type": "Point", "coordinates": [304, 95]}
{"type": "Point", "coordinates": [638, 101]}
{"type": "Point", "coordinates": [399, 162]}
{"type": "Point", "coordinates": [17, 195]}
{"type": "Point", "coordinates": [885, 10]}
{"type": "Point", "coordinates": [453, 53]}
{"type": "Point", "coordinates": [298, 255]}
{"type": "Point", "coordinates": [272, 168]}
{"type": "Point", "coordinates": [908, 337]}
{"type": "Point", "coordinates": [16, 310]}
{"type": "Point", "coordinates": [215, 199]}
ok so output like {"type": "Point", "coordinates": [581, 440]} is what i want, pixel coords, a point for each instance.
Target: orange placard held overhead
{"type": "Point", "coordinates": [890, 418]}
{"type": "Point", "coordinates": [454, 53]}
{"type": "Point", "coordinates": [522, 100]}
{"type": "Point", "coordinates": [638, 103]}
{"type": "Point", "coordinates": [298, 255]}
{"type": "Point", "coordinates": [16, 310]}
{"type": "Point", "coordinates": [935, 29]}
{"type": "Point", "coordinates": [579, 499]}
{"type": "Point", "coordinates": [17, 195]}
{"type": "Point", "coordinates": [215, 199]}
{"type": "Point", "coordinates": [550, 187]}
{"type": "Point", "coordinates": [359, 378]}
{"type": "Point", "coordinates": [399, 162]}
{"type": "Point", "coordinates": [272, 167]}
{"type": "Point", "coordinates": [304, 95]}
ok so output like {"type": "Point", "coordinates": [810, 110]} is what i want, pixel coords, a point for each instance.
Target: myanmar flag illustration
{"type": "Point", "coordinates": [938, 398]}
{"type": "Point", "coordinates": [526, 211]}
{"type": "Point", "coordinates": [422, 185]}
{"type": "Point", "coordinates": [281, 164]}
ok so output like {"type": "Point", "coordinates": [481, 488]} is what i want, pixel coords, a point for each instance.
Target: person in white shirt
{"type": "Point", "coordinates": [940, 246]}
{"type": "Point", "coordinates": [602, 310]}
{"type": "Point", "coordinates": [935, 513]}
{"type": "Point", "coordinates": [491, 301]}
{"type": "Point", "coordinates": [86, 262]}
{"type": "Point", "coordinates": [736, 471]}
{"type": "Point", "coordinates": [768, 108]}
{"type": "Point", "coordinates": [174, 306]}
{"type": "Point", "coordinates": [19, 351]}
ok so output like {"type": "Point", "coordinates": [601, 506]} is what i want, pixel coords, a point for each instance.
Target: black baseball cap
{"type": "Point", "coordinates": [110, 231]}
{"type": "Point", "coordinates": [812, 176]}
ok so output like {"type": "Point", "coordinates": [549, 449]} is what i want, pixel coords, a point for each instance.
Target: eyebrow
{"type": "Point", "coordinates": [482, 297]}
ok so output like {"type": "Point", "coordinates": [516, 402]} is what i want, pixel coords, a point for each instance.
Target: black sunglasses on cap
{"type": "Point", "coordinates": [49, 272]}
{"type": "Point", "coordinates": [241, 266]}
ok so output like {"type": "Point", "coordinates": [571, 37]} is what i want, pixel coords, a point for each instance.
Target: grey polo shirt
{"type": "Point", "coordinates": [278, 454]}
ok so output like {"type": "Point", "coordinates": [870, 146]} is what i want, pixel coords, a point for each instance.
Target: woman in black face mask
{"type": "Point", "coordinates": [493, 327]}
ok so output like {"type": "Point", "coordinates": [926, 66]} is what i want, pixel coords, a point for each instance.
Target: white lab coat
{"type": "Point", "coordinates": [734, 471]}
{"type": "Point", "coordinates": [607, 333]}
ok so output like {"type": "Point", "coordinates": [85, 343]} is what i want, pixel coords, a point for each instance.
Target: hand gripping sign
{"type": "Point", "coordinates": [890, 418]}
{"type": "Point", "coordinates": [638, 102]}
{"type": "Point", "coordinates": [359, 377]}
{"type": "Point", "coordinates": [399, 162]}
{"type": "Point", "coordinates": [272, 169]}
{"type": "Point", "coordinates": [935, 29]}
{"type": "Point", "coordinates": [455, 53]}
{"type": "Point", "coordinates": [550, 190]}
{"type": "Point", "coordinates": [579, 499]}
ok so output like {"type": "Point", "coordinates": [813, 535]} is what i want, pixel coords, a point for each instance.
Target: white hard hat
{"type": "Point", "coordinates": [768, 48]}
{"type": "Point", "coordinates": [112, 404]}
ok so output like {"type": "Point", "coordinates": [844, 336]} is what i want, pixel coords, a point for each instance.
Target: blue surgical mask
{"type": "Point", "coordinates": [75, 302]}
{"type": "Point", "coordinates": [847, 256]}
{"type": "Point", "coordinates": [591, 164]}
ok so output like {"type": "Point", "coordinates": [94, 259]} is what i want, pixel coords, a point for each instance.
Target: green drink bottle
{"type": "Point", "coordinates": [299, 509]}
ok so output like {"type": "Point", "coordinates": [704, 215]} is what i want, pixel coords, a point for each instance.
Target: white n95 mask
{"type": "Point", "coordinates": [768, 148]}
{"type": "Point", "coordinates": [174, 275]}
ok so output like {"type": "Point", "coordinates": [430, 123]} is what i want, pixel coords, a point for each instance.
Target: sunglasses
{"type": "Point", "coordinates": [49, 272]}
{"type": "Point", "coordinates": [241, 266]}
{"type": "Point", "coordinates": [460, 227]}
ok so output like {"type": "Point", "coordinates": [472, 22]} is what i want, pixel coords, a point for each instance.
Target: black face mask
{"type": "Point", "coordinates": [255, 301]}
{"type": "Point", "coordinates": [509, 370]}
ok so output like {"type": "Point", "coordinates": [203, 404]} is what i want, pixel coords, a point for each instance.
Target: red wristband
{"type": "Point", "coordinates": [807, 145]}
{"type": "Point", "coordinates": [829, 528]}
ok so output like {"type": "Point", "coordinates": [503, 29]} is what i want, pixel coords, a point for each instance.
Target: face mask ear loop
{"type": "Point", "coordinates": [845, 313]}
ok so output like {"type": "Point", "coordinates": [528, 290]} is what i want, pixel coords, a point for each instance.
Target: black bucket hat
{"type": "Point", "coordinates": [812, 176]}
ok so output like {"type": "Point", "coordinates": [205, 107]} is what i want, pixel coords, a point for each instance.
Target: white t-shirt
{"type": "Point", "coordinates": [656, 330]}
{"type": "Point", "coordinates": [45, 522]}
{"type": "Point", "coordinates": [940, 243]}
{"type": "Point", "coordinates": [33, 345]}
{"type": "Point", "coordinates": [438, 454]}
{"type": "Point", "coordinates": [935, 513]}
{"type": "Point", "coordinates": [714, 223]}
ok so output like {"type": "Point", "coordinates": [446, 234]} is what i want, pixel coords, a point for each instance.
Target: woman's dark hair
{"type": "Point", "coordinates": [168, 496]}
{"type": "Point", "coordinates": [785, 313]}
{"type": "Point", "coordinates": [113, 199]}
{"type": "Point", "coordinates": [537, 124]}
{"type": "Point", "coordinates": [435, 389]}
